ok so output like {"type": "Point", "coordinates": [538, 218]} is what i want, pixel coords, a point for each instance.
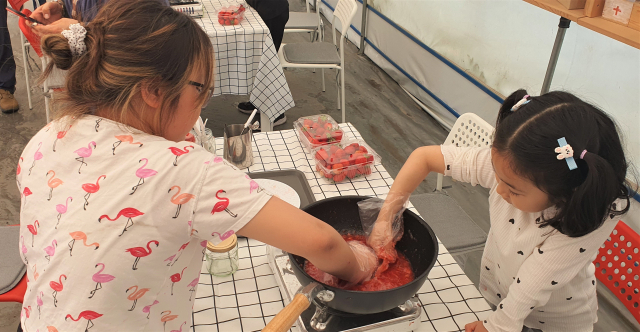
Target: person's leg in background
{"type": "Point", "coordinates": [8, 103]}
{"type": "Point", "coordinates": [276, 27]}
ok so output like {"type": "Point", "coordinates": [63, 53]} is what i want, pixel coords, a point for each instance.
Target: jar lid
{"type": "Point", "coordinates": [225, 245]}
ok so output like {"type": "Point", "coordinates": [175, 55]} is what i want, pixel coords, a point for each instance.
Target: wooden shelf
{"type": "Point", "coordinates": [557, 8]}
{"type": "Point", "coordinates": [613, 30]}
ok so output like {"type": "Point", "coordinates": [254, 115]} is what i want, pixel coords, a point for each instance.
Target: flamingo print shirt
{"type": "Point", "coordinates": [114, 224]}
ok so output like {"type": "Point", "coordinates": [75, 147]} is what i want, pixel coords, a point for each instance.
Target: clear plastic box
{"type": "Point", "coordinates": [317, 130]}
{"type": "Point", "coordinates": [231, 15]}
{"type": "Point", "coordinates": [348, 160]}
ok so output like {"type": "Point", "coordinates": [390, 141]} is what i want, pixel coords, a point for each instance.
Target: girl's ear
{"type": "Point", "coordinates": [151, 94]}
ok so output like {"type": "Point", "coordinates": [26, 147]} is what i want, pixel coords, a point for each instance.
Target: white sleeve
{"type": "Point", "coordinates": [469, 164]}
{"type": "Point", "coordinates": [551, 266]}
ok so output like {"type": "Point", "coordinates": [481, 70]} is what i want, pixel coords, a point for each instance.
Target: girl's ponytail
{"type": "Point", "coordinates": [594, 197]}
{"type": "Point", "coordinates": [505, 109]}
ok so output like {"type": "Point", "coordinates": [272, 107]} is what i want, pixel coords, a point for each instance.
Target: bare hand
{"type": "Point", "coordinates": [47, 13]}
{"type": "Point", "coordinates": [55, 27]}
{"type": "Point", "coordinates": [475, 327]}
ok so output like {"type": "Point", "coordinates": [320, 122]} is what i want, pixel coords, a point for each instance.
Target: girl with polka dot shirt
{"type": "Point", "coordinates": [556, 172]}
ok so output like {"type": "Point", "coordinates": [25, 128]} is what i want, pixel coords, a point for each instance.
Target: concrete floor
{"type": "Point", "coordinates": [386, 117]}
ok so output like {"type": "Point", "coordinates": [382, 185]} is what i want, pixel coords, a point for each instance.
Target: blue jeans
{"type": "Point", "coordinates": [7, 64]}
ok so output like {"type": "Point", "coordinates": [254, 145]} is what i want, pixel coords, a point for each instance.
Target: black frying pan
{"type": "Point", "coordinates": [418, 244]}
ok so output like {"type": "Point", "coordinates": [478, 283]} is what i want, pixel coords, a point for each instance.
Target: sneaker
{"type": "Point", "coordinates": [246, 107]}
{"type": "Point", "coordinates": [8, 102]}
{"type": "Point", "coordinates": [282, 119]}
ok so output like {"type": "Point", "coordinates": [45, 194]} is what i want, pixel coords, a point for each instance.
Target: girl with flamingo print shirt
{"type": "Point", "coordinates": [119, 246]}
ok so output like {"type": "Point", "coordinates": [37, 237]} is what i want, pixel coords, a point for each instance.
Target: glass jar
{"type": "Point", "coordinates": [222, 259]}
{"type": "Point", "coordinates": [209, 142]}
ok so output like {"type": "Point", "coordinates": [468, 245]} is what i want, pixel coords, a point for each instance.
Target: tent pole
{"type": "Point", "coordinates": [555, 53]}
{"type": "Point", "coordinates": [363, 27]}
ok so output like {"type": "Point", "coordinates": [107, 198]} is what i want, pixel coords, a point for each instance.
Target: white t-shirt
{"type": "Point", "coordinates": [535, 276]}
{"type": "Point", "coordinates": [122, 225]}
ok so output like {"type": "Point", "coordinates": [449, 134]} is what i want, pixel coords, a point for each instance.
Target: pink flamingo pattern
{"type": "Point", "coordinates": [80, 236]}
{"type": "Point", "coordinates": [39, 302]}
{"type": "Point", "coordinates": [36, 156]}
{"type": "Point", "coordinates": [147, 308]}
{"type": "Point", "coordinates": [170, 259]}
{"type": "Point", "coordinates": [128, 213]}
{"type": "Point", "coordinates": [84, 153]}
{"type": "Point", "coordinates": [33, 229]}
{"type": "Point", "coordinates": [35, 272]}
{"type": "Point", "coordinates": [88, 315]}
{"type": "Point", "coordinates": [135, 295]}
{"type": "Point", "coordinates": [27, 313]}
{"type": "Point", "coordinates": [224, 236]}
{"type": "Point", "coordinates": [182, 247]}
{"type": "Point", "coordinates": [99, 278]}
{"type": "Point", "coordinates": [60, 135]}
{"type": "Point", "coordinates": [26, 192]}
{"type": "Point", "coordinates": [180, 330]}
{"type": "Point", "coordinates": [24, 250]}
{"type": "Point", "coordinates": [217, 159]}
{"type": "Point", "coordinates": [57, 287]}
{"type": "Point", "coordinates": [177, 152]}
{"type": "Point", "coordinates": [53, 182]}
{"type": "Point", "coordinates": [62, 209]}
{"type": "Point", "coordinates": [91, 188]}
{"type": "Point", "coordinates": [180, 199]}
{"type": "Point", "coordinates": [176, 277]}
{"type": "Point", "coordinates": [192, 286]}
{"type": "Point", "coordinates": [167, 318]}
{"type": "Point", "coordinates": [123, 138]}
{"type": "Point", "coordinates": [223, 205]}
{"type": "Point", "coordinates": [18, 170]}
{"type": "Point", "coordinates": [139, 252]}
{"type": "Point", "coordinates": [143, 173]}
{"type": "Point", "coordinates": [252, 185]}
{"type": "Point", "coordinates": [50, 250]}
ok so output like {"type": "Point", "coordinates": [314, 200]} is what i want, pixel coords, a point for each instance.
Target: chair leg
{"type": "Point", "coordinates": [338, 86]}
{"type": "Point", "coordinates": [439, 182]}
{"type": "Point", "coordinates": [342, 94]}
{"type": "Point", "coordinates": [24, 64]}
{"type": "Point", "coordinates": [323, 86]}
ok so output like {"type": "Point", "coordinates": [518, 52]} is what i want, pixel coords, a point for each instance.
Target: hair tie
{"type": "Point", "coordinates": [521, 103]}
{"type": "Point", "coordinates": [565, 151]}
{"type": "Point", "coordinates": [75, 35]}
{"type": "Point", "coordinates": [583, 153]}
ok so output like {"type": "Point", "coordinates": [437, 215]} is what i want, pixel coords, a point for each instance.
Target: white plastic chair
{"type": "Point", "coordinates": [469, 130]}
{"type": "Point", "coordinates": [306, 22]}
{"type": "Point", "coordinates": [324, 55]}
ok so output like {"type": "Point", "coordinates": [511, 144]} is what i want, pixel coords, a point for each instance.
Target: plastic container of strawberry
{"type": "Point", "coordinates": [231, 15]}
{"type": "Point", "coordinates": [318, 130]}
{"type": "Point", "coordinates": [348, 160]}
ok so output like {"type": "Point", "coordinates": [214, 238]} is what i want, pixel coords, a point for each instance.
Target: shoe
{"type": "Point", "coordinates": [8, 102]}
{"type": "Point", "coordinates": [282, 119]}
{"type": "Point", "coordinates": [246, 107]}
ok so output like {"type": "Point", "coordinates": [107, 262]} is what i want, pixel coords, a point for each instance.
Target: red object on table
{"type": "Point", "coordinates": [622, 277]}
{"type": "Point", "coordinates": [348, 160]}
{"type": "Point", "coordinates": [317, 130]}
{"type": "Point", "coordinates": [16, 294]}
{"type": "Point", "coordinates": [231, 15]}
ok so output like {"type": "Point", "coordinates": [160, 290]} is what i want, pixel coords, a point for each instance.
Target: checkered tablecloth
{"type": "Point", "coordinates": [246, 59]}
{"type": "Point", "coordinates": [249, 299]}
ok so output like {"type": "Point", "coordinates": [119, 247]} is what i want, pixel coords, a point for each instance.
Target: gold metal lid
{"type": "Point", "coordinates": [225, 245]}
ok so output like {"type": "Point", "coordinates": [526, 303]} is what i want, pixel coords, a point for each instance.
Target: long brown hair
{"type": "Point", "coordinates": [131, 45]}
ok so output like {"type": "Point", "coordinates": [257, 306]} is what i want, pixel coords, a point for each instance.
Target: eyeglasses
{"type": "Point", "coordinates": [199, 87]}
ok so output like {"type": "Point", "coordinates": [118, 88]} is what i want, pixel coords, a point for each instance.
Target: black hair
{"type": "Point", "coordinates": [584, 197]}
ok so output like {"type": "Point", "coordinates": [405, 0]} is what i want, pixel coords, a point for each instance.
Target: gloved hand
{"type": "Point", "coordinates": [367, 260]}
{"type": "Point", "coordinates": [383, 224]}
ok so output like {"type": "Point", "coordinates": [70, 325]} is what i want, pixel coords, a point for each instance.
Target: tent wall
{"type": "Point", "coordinates": [465, 56]}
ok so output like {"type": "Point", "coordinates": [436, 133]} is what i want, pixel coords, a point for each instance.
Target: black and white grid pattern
{"type": "Point", "coordinates": [246, 59]}
{"type": "Point", "coordinates": [249, 299]}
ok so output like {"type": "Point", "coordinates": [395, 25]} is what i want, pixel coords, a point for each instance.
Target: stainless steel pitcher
{"type": "Point", "coordinates": [237, 146]}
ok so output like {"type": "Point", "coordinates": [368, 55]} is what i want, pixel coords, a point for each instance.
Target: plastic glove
{"type": "Point", "coordinates": [367, 260]}
{"type": "Point", "coordinates": [383, 224]}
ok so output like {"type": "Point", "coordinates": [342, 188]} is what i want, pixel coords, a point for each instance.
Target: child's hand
{"type": "Point", "coordinates": [475, 327]}
{"type": "Point", "coordinates": [367, 260]}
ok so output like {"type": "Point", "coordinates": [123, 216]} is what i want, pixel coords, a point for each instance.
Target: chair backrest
{"type": "Point", "coordinates": [33, 39]}
{"type": "Point", "coordinates": [618, 266]}
{"type": "Point", "coordinates": [470, 130]}
{"type": "Point", "coordinates": [345, 12]}
{"type": "Point", "coordinates": [16, 4]}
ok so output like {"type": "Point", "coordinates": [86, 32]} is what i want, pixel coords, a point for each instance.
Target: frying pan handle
{"type": "Point", "coordinates": [283, 321]}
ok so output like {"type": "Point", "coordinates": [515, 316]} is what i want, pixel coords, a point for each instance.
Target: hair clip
{"type": "Point", "coordinates": [583, 153]}
{"type": "Point", "coordinates": [565, 151]}
{"type": "Point", "coordinates": [521, 103]}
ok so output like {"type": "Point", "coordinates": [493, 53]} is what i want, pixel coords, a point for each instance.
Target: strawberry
{"type": "Point", "coordinates": [221, 21]}
{"type": "Point", "coordinates": [352, 173]}
{"type": "Point", "coordinates": [320, 138]}
{"type": "Point", "coordinates": [363, 149]}
{"type": "Point", "coordinates": [328, 175]}
{"type": "Point", "coordinates": [333, 149]}
{"type": "Point", "coordinates": [307, 123]}
{"type": "Point", "coordinates": [369, 158]}
{"type": "Point", "coordinates": [337, 135]}
{"type": "Point", "coordinates": [337, 168]}
{"type": "Point", "coordinates": [313, 141]}
{"type": "Point", "coordinates": [320, 131]}
{"type": "Point", "coordinates": [339, 177]}
{"type": "Point", "coordinates": [345, 162]}
{"type": "Point", "coordinates": [366, 170]}
{"type": "Point", "coordinates": [328, 126]}
{"type": "Point", "coordinates": [318, 168]}
{"type": "Point", "coordinates": [356, 146]}
{"type": "Point", "coordinates": [339, 153]}
{"type": "Point", "coordinates": [361, 160]}
{"type": "Point", "coordinates": [349, 150]}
